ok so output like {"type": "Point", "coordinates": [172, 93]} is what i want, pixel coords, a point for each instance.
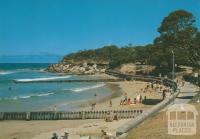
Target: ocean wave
{"type": "Point", "coordinates": [5, 72]}
{"type": "Point", "coordinates": [28, 96]}
{"type": "Point", "coordinates": [39, 70]}
{"type": "Point", "coordinates": [24, 97]}
{"type": "Point", "coordinates": [20, 70]}
{"type": "Point", "coordinates": [47, 94]}
{"type": "Point", "coordinates": [13, 71]}
{"type": "Point", "coordinates": [43, 78]}
{"type": "Point", "coordinates": [87, 88]}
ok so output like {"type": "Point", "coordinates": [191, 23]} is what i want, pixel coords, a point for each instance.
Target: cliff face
{"type": "Point", "coordinates": [78, 67]}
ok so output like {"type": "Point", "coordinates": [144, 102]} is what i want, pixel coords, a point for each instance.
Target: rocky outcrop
{"type": "Point", "coordinates": [133, 68]}
{"type": "Point", "coordinates": [128, 68]}
{"type": "Point", "coordinates": [77, 68]}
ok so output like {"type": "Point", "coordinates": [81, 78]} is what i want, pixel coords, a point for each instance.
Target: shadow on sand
{"type": "Point", "coordinates": [152, 101]}
{"type": "Point", "coordinates": [185, 97]}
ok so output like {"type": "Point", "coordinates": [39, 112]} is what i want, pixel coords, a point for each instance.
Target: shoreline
{"type": "Point", "coordinates": [79, 105]}
{"type": "Point", "coordinates": [116, 91]}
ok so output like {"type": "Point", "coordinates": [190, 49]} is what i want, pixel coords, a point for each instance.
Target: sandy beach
{"type": "Point", "coordinates": [131, 89]}
{"type": "Point", "coordinates": [44, 129]}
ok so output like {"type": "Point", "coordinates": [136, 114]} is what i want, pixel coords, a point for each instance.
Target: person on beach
{"type": "Point", "coordinates": [129, 101]}
{"type": "Point", "coordinates": [110, 103]}
{"type": "Point", "coordinates": [121, 102]}
{"type": "Point", "coordinates": [183, 83]}
{"type": "Point", "coordinates": [145, 99]}
{"type": "Point", "coordinates": [135, 101]}
{"type": "Point", "coordinates": [93, 106]}
{"type": "Point", "coordinates": [65, 136]}
{"type": "Point", "coordinates": [115, 117]}
{"type": "Point", "coordinates": [125, 98]}
{"type": "Point", "coordinates": [138, 98]}
{"type": "Point", "coordinates": [104, 135]}
{"type": "Point", "coordinates": [54, 136]}
{"type": "Point", "coordinates": [109, 117]}
{"type": "Point", "coordinates": [164, 94]}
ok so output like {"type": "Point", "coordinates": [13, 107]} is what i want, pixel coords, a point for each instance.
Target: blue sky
{"type": "Point", "coordinates": [63, 26]}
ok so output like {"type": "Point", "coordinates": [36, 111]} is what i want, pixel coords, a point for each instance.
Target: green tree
{"type": "Point", "coordinates": [178, 32]}
{"type": "Point", "coordinates": [121, 56]}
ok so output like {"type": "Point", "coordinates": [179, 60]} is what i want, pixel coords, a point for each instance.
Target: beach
{"type": "Point", "coordinates": [44, 129]}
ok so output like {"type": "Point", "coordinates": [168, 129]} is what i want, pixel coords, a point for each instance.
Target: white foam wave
{"type": "Point", "coordinates": [24, 97]}
{"type": "Point", "coordinates": [43, 79]}
{"type": "Point", "coordinates": [13, 71]}
{"type": "Point", "coordinates": [47, 94]}
{"type": "Point", "coordinates": [36, 95]}
{"type": "Point", "coordinates": [87, 88]}
{"type": "Point", "coordinates": [28, 96]}
{"type": "Point", "coordinates": [5, 72]}
{"type": "Point", "coordinates": [20, 70]}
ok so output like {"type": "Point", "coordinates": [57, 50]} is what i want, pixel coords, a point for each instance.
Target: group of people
{"type": "Point", "coordinates": [127, 101]}
{"type": "Point", "coordinates": [55, 136]}
{"type": "Point", "coordinates": [105, 135]}
{"type": "Point", "coordinates": [110, 116]}
{"type": "Point", "coordinates": [149, 88]}
{"type": "Point", "coordinates": [152, 87]}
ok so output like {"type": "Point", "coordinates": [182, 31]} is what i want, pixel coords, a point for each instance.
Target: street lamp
{"type": "Point", "coordinates": [173, 66]}
{"type": "Point", "coordinates": [173, 74]}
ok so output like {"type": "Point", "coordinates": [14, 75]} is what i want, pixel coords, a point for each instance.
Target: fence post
{"type": "Point", "coordinates": [28, 116]}
{"type": "Point", "coordinates": [83, 114]}
{"type": "Point", "coordinates": [55, 116]}
{"type": "Point", "coordinates": [1, 115]}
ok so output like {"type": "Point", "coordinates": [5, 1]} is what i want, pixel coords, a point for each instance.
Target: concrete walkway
{"type": "Point", "coordinates": [187, 92]}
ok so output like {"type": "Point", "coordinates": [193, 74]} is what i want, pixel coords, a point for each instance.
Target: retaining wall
{"type": "Point", "coordinates": [164, 81]}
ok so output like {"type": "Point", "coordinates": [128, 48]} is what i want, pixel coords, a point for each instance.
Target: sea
{"type": "Point", "coordinates": [37, 96]}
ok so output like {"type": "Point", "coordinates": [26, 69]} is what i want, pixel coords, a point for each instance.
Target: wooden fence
{"type": "Point", "coordinates": [71, 115]}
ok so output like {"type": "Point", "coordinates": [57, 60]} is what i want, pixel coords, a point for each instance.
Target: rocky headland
{"type": "Point", "coordinates": [78, 67]}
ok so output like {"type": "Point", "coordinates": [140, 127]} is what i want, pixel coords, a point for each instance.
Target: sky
{"type": "Point", "coordinates": [59, 27]}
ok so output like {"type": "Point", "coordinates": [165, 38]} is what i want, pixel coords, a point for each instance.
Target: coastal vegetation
{"type": "Point", "coordinates": [178, 33]}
